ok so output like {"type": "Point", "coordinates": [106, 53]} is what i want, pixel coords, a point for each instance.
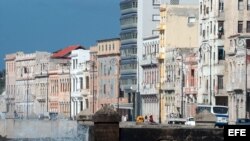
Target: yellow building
{"type": "Point", "coordinates": [178, 30]}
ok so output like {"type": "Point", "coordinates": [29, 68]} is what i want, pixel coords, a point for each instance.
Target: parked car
{"type": "Point", "coordinates": [190, 121]}
{"type": "Point", "coordinates": [53, 115]}
{"type": "Point", "coordinates": [243, 121]}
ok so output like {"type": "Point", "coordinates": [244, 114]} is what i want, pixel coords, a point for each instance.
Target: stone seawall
{"type": "Point", "coordinates": [37, 128]}
{"type": "Point", "coordinates": [170, 134]}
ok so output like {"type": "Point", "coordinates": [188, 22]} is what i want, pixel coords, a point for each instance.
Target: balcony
{"type": "Point", "coordinates": [161, 26]}
{"type": "Point", "coordinates": [148, 60]}
{"type": "Point", "coordinates": [190, 90]}
{"type": "Point", "coordinates": [131, 25]}
{"type": "Point", "coordinates": [168, 86]}
{"type": "Point", "coordinates": [128, 71]}
{"type": "Point", "coordinates": [41, 98]}
{"type": "Point", "coordinates": [149, 89]}
{"type": "Point", "coordinates": [126, 41]}
{"type": "Point", "coordinates": [85, 92]}
{"type": "Point", "coordinates": [129, 10]}
{"type": "Point", "coordinates": [160, 56]}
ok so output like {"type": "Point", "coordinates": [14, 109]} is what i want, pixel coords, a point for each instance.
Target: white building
{"type": "Point", "coordinates": [148, 18]}
{"type": "Point", "coordinates": [211, 89]}
{"type": "Point", "coordinates": [79, 80]}
{"type": "Point", "coordinates": [150, 77]}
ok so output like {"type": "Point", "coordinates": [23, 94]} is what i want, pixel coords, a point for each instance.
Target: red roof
{"type": "Point", "coordinates": [63, 53]}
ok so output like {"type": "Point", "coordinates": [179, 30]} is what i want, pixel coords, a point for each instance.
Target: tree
{"type": "Point", "coordinates": [2, 81]}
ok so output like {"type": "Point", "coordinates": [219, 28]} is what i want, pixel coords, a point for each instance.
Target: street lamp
{"type": "Point", "coordinates": [160, 66]}
{"type": "Point", "coordinates": [243, 42]}
{"type": "Point", "coordinates": [181, 80]}
{"type": "Point", "coordinates": [208, 48]}
{"type": "Point", "coordinates": [115, 61]}
{"type": "Point", "coordinates": [26, 72]}
{"type": "Point", "coordinates": [93, 65]}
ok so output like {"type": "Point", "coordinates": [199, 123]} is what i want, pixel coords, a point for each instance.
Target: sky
{"type": "Point", "coordinates": [49, 25]}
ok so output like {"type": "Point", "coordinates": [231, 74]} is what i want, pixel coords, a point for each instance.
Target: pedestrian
{"type": "Point", "coordinates": [151, 120]}
{"type": "Point", "coordinates": [146, 118]}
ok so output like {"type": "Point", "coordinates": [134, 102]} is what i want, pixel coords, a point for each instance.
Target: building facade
{"type": "Point", "coordinates": [79, 80]}
{"type": "Point", "coordinates": [175, 20]}
{"type": "Point", "coordinates": [212, 53]}
{"type": "Point", "coordinates": [128, 50]}
{"type": "Point", "coordinates": [148, 18]}
{"type": "Point", "coordinates": [108, 90]}
{"type": "Point", "coordinates": [150, 78]}
{"type": "Point", "coordinates": [93, 67]}
{"type": "Point", "coordinates": [10, 81]}
{"type": "Point", "coordinates": [237, 45]}
{"type": "Point", "coordinates": [41, 83]}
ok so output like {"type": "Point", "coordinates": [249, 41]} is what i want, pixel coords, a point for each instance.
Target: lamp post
{"type": "Point", "coordinates": [93, 65]}
{"type": "Point", "coordinates": [242, 42]}
{"type": "Point", "coordinates": [115, 61]}
{"type": "Point", "coordinates": [27, 91]}
{"type": "Point", "coordinates": [160, 64]}
{"type": "Point", "coordinates": [208, 48]}
{"type": "Point", "coordinates": [181, 80]}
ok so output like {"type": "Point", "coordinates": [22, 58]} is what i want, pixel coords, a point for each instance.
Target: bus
{"type": "Point", "coordinates": [221, 113]}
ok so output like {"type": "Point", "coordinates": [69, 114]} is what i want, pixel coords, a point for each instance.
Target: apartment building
{"type": "Point", "coordinates": [41, 82]}
{"type": "Point", "coordinates": [27, 99]}
{"type": "Point", "coordinates": [108, 90]}
{"type": "Point", "coordinates": [79, 80]}
{"type": "Point", "coordinates": [212, 53]}
{"type": "Point", "coordinates": [237, 45]}
{"type": "Point", "coordinates": [10, 82]}
{"type": "Point", "coordinates": [150, 78]}
{"type": "Point", "coordinates": [173, 44]}
{"type": "Point", "coordinates": [60, 100]}
{"type": "Point", "coordinates": [128, 50]}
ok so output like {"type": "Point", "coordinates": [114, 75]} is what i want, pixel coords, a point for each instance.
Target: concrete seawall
{"type": "Point", "coordinates": [38, 128]}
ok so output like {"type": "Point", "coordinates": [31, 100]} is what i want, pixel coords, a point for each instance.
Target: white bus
{"type": "Point", "coordinates": [221, 113]}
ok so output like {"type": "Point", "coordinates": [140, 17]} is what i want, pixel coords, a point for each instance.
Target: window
{"type": "Point", "coordinates": [104, 89]}
{"type": "Point", "coordinates": [220, 29]}
{"type": "Point", "coordinates": [192, 77]}
{"type": "Point", "coordinates": [240, 5]}
{"type": "Point", "coordinates": [81, 83]}
{"type": "Point", "coordinates": [248, 4]}
{"type": "Point", "coordinates": [211, 6]}
{"type": "Point", "coordinates": [248, 26]}
{"type": "Point", "coordinates": [221, 53]}
{"type": "Point", "coordinates": [248, 43]}
{"type": "Point", "coordinates": [87, 82]}
{"type": "Point", "coordinates": [221, 5]}
{"type": "Point", "coordinates": [200, 7]}
{"type": "Point", "coordinates": [201, 29]}
{"type": "Point", "coordinates": [155, 17]}
{"type": "Point", "coordinates": [220, 82]}
{"type": "Point", "coordinates": [211, 27]}
{"type": "Point", "coordinates": [191, 19]}
{"type": "Point", "coordinates": [156, 2]}
{"type": "Point", "coordinates": [240, 26]}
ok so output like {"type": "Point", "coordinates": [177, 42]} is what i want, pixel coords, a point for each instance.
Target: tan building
{"type": "Point", "coordinates": [178, 30]}
{"type": "Point", "coordinates": [26, 102]}
{"type": "Point", "coordinates": [41, 82]}
{"type": "Point", "coordinates": [237, 45]}
{"type": "Point", "coordinates": [93, 72]}
{"type": "Point", "coordinates": [108, 64]}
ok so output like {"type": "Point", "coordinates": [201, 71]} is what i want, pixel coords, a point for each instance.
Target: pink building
{"type": "Point", "coordinates": [59, 81]}
{"type": "Point", "coordinates": [190, 88]}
